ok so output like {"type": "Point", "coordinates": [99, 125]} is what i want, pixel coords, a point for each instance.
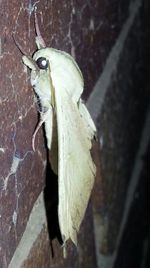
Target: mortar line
{"type": "Point", "coordinates": [95, 104]}
{"type": "Point", "coordinates": [34, 226]}
{"type": "Point", "coordinates": [135, 177]}
{"type": "Point", "coordinates": [96, 99]}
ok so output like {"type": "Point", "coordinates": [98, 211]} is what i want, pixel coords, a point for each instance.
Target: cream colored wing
{"type": "Point", "coordinates": [87, 118]}
{"type": "Point", "coordinates": [76, 169]}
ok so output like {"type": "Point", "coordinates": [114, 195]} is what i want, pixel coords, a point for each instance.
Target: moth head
{"type": "Point", "coordinates": [40, 73]}
{"type": "Point", "coordinates": [53, 69]}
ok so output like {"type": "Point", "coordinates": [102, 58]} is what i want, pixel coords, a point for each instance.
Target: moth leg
{"type": "Point", "coordinates": [43, 117]}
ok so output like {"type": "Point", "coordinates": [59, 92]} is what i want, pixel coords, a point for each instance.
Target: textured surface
{"type": "Point", "coordinates": [88, 30]}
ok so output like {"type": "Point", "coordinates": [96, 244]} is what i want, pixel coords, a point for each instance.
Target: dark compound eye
{"type": "Point", "coordinates": [42, 63]}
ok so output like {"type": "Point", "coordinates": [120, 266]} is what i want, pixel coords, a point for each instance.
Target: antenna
{"type": "Point", "coordinates": [41, 41]}
{"type": "Point", "coordinates": [18, 45]}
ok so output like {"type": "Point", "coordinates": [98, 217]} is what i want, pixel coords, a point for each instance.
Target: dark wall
{"type": "Point", "coordinates": [89, 31]}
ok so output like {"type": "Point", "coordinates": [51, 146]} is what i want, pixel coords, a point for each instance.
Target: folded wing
{"type": "Point", "coordinates": [76, 169]}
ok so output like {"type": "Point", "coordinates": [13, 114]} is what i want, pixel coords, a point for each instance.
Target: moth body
{"type": "Point", "coordinates": [58, 83]}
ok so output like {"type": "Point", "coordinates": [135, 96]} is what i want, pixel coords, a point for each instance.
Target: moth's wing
{"type": "Point", "coordinates": [76, 169]}
{"type": "Point", "coordinates": [87, 118]}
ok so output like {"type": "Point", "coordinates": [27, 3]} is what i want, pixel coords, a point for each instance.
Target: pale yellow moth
{"type": "Point", "coordinates": [58, 83]}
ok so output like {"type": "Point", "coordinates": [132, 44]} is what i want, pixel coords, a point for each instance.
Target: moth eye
{"type": "Point", "coordinates": [42, 63]}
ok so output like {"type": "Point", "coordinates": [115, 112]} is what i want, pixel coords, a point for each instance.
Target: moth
{"type": "Point", "coordinates": [58, 83]}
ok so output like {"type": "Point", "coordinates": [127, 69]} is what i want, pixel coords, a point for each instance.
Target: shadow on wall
{"type": "Point", "coordinates": [51, 204]}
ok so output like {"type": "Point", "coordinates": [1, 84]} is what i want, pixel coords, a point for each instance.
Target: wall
{"type": "Point", "coordinates": [111, 45]}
